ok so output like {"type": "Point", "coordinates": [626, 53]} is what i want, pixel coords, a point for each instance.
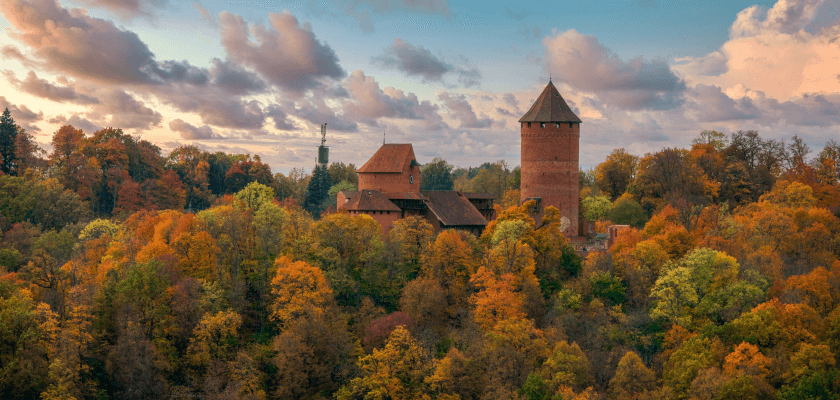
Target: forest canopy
{"type": "Point", "coordinates": [127, 273]}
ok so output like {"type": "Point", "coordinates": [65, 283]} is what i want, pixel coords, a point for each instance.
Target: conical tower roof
{"type": "Point", "coordinates": [550, 107]}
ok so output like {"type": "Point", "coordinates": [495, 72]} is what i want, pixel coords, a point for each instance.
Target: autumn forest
{"type": "Point", "coordinates": [126, 273]}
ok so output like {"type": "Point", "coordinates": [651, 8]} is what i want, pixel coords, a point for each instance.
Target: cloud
{"type": "Point", "coordinates": [13, 52]}
{"type": "Point", "coordinates": [316, 111]}
{"type": "Point", "coordinates": [72, 42]}
{"type": "Point", "coordinates": [413, 61]}
{"type": "Point", "coordinates": [285, 54]}
{"type": "Point", "coordinates": [122, 110]}
{"type": "Point", "coordinates": [76, 121]}
{"type": "Point", "coordinates": [808, 110]}
{"type": "Point", "coordinates": [418, 61]}
{"type": "Point", "coordinates": [22, 115]}
{"type": "Point", "coordinates": [782, 51]}
{"type": "Point", "coordinates": [371, 102]}
{"type": "Point", "coordinates": [191, 132]}
{"type": "Point", "coordinates": [786, 16]}
{"type": "Point", "coordinates": [711, 104]}
{"type": "Point", "coordinates": [461, 110]}
{"type": "Point", "coordinates": [232, 113]}
{"type": "Point", "coordinates": [778, 69]}
{"type": "Point", "coordinates": [582, 62]}
{"type": "Point", "coordinates": [210, 17]}
{"type": "Point", "coordinates": [46, 90]}
{"type": "Point", "coordinates": [235, 80]}
{"type": "Point", "coordinates": [712, 64]}
{"type": "Point", "coordinates": [280, 118]}
{"type": "Point", "coordinates": [127, 9]}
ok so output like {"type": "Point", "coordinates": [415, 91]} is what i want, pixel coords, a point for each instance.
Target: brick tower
{"type": "Point", "coordinates": [550, 143]}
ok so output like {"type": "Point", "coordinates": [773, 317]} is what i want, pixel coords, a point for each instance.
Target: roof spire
{"type": "Point", "coordinates": [550, 107]}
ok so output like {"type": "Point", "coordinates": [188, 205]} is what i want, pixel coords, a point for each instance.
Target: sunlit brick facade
{"type": "Point", "coordinates": [550, 134]}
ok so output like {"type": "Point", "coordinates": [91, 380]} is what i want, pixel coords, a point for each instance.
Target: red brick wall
{"type": "Point", "coordinates": [391, 182]}
{"type": "Point", "coordinates": [340, 199]}
{"type": "Point", "coordinates": [550, 167]}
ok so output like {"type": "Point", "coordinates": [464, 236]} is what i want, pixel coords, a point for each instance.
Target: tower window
{"type": "Point", "coordinates": [542, 124]}
{"type": "Point", "coordinates": [411, 179]}
{"type": "Point", "coordinates": [556, 124]}
{"type": "Point", "coordinates": [529, 124]}
{"type": "Point", "coordinates": [571, 125]}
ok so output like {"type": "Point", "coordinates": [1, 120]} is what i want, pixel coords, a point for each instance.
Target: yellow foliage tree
{"type": "Point", "coordinates": [300, 288]}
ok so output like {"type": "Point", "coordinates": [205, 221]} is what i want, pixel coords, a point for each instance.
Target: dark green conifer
{"type": "Point", "coordinates": [8, 136]}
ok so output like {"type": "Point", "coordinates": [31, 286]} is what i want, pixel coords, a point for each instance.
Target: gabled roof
{"type": "Point", "coordinates": [550, 107]}
{"type": "Point", "coordinates": [390, 158]}
{"type": "Point", "coordinates": [368, 200]}
{"type": "Point", "coordinates": [349, 194]}
{"type": "Point", "coordinates": [404, 196]}
{"type": "Point", "coordinates": [453, 208]}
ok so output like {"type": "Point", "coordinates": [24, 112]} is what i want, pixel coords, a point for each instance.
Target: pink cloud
{"type": "Point", "coordinates": [285, 53]}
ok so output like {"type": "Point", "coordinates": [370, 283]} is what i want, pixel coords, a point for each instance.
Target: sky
{"type": "Point", "coordinates": [450, 77]}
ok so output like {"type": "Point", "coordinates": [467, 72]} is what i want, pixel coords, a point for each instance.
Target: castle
{"type": "Point", "coordinates": [389, 183]}
{"type": "Point", "coordinates": [550, 134]}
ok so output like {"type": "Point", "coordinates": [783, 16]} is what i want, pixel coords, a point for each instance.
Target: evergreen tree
{"type": "Point", "coordinates": [8, 136]}
{"type": "Point", "coordinates": [318, 191]}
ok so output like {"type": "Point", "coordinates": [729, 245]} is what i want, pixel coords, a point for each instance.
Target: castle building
{"type": "Point", "coordinates": [389, 183]}
{"type": "Point", "coordinates": [389, 189]}
{"type": "Point", "coordinates": [550, 134]}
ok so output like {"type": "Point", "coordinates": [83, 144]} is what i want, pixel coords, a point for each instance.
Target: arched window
{"type": "Point", "coordinates": [411, 179]}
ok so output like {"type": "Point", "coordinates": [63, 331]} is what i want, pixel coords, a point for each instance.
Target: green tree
{"type": "Point", "coordinates": [23, 346]}
{"type": "Point", "coordinates": [318, 191]}
{"type": "Point", "coordinates": [701, 283]}
{"type": "Point", "coordinates": [685, 363]}
{"type": "Point", "coordinates": [8, 140]}
{"type": "Point", "coordinates": [340, 173]}
{"type": "Point", "coordinates": [338, 187]}
{"type": "Point", "coordinates": [436, 175]}
{"type": "Point", "coordinates": [628, 212]}
{"type": "Point", "coordinates": [255, 195]}
{"type": "Point", "coordinates": [819, 386]}
{"type": "Point", "coordinates": [596, 208]}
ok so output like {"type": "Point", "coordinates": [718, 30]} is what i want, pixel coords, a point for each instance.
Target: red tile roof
{"type": "Point", "coordinates": [453, 208]}
{"type": "Point", "coordinates": [369, 200]}
{"type": "Point", "coordinates": [390, 158]}
{"type": "Point", "coordinates": [550, 107]}
{"type": "Point", "coordinates": [405, 196]}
